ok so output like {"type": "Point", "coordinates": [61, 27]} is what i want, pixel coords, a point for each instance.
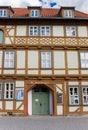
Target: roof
{"type": "Point", "coordinates": [46, 12]}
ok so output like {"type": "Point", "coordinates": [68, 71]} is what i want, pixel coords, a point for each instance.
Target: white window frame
{"type": "Point", "coordinates": [9, 57]}
{"type": "Point", "coordinates": [84, 60]}
{"type": "Point", "coordinates": [46, 60]}
{"type": "Point", "coordinates": [67, 13]}
{"type": "Point", "coordinates": [33, 30]}
{"type": "Point", "coordinates": [3, 13]}
{"type": "Point", "coordinates": [73, 95]}
{"type": "Point", "coordinates": [34, 13]}
{"type": "Point", "coordinates": [9, 90]}
{"type": "Point", "coordinates": [45, 31]}
{"type": "Point", "coordinates": [71, 31]}
{"type": "Point", "coordinates": [85, 95]}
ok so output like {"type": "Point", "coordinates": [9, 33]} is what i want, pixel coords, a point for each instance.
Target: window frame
{"type": "Point", "coordinates": [1, 91]}
{"type": "Point", "coordinates": [68, 13]}
{"type": "Point", "coordinates": [3, 12]}
{"type": "Point", "coordinates": [9, 91]}
{"type": "Point", "coordinates": [33, 30]}
{"type": "Point", "coordinates": [70, 31]}
{"type": "Point", "coordinates": [74, 95]}
{"type": "Point", "coordinates": [34, 13]}
{"type": "Point", "coordinates": [86, 94]}
{"type": "Point", "coordinates": [43, 29]}
{"type": "Point", "coordinates": [45, 62]}
{"type": "Point", "coordinates": [9, 60]}
{"type": "Point", "coordinates": [85, 59]}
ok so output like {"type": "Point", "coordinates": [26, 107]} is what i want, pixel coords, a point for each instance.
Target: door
{"type": "Point", "coordinates": [40, 100]}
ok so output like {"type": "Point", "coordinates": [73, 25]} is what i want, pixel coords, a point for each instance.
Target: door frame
{"type": "Point", "coordinates": [53, 91]}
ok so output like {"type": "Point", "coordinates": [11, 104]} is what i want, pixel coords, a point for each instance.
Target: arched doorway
{"type": "Point", "coordinates": [40, 100]}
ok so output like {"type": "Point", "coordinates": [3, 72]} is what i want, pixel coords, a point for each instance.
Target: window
{"type": "Point", "coordinates": [1, 36]}
{"type": "Point", "coordinates": [45, 31]}
{"type": "Point", "coordinates": [33, 31]}
{"type": "Point", "coordinates": [0, 90]}
{"type": "Point", "coordinates": [45, 59]}
{"type": "Point", "coordinates": [85, 95]}
{"type": "Point", "coordinates": [34, 13]}
{"type": "Point", "coordinates": [73, 96]}
{"type": "Point", "coordinates": [70, 31]}
{"type": "Point", "coordinates": [59, 98]}
{"type": "Point", "coordinates": [67, 13]}
{"type": "Point", "coordinates": [84, 59]}
{"type": "Point", "coordinates": [9, 59]}
{"type": "Point", "coordinates": [9, 91]}
{"type": "Point", "coordinates": [2, 13]}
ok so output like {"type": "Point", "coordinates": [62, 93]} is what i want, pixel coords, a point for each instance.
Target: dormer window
{"type": "Point", "coordinates": [34, 13]}
{"type": "Point", "coordinates": [67, 13]}
{"type": "Point", "coordinates": [3, 13]}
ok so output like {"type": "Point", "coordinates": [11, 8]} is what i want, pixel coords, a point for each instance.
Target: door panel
{"type": "Point", "coordinates": [40, 101]}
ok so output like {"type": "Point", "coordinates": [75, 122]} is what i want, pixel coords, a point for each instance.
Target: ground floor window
{"type": "Point", "coordinates": [85, 95]}
{"type": "Point", "coordinates": [9, 90]}
{"type": "Point", "coordinates": [73, 95]}
{"type": "Point", "coordinates": [78, 95]}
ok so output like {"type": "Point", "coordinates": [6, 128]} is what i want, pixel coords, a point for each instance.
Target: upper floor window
{"type": "Point", "coordinates": [67, 13]}
{"type": "Point", "coordinates": [73, 95]}
{"type": "Point", "coordinates": [9, 59]}
{"type": "Point", "coordinates": [34, 13]}
{"type": "Point", "coordinates": [33, 31]}
{"type": "Point", "coordinates": [45, 31]}
{"type": "Point", "coordinates": [1, 36]}
{"type": "Point", "coordinates": [84, 59]}
{"type": "Point", "coordinates": [9, 90]}
{"type": "Point", "coordinates": [70, 31]}
{"type": "Point", "coordinates": [45, 59]}
{"type": "Point", "coordinates": [3, 13]}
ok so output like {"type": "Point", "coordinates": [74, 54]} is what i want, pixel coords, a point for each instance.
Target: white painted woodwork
{"type": "Point", "coordinates": [72, 59]}
{"type": "Point", "coordinates": [32, 59]}
{"type": "Point", "coordinates": [82, 31]}
{"type": "Point", "coordinates": [20, 71]}
{"type": "Point", "coordinates": [85, 109]}
{"type": "Point", "coordinates": [46, 72]}
{"type": "Point", "coordinates": [58, 31]}
{"type": "Point", "coordinates": [8, 71]}
{"type": "Point", "coordinates": [59, 110]}
{"type": "Point", "coordinates": [18, 104]}
{"type": "Point", "coordinates": [9, 40]}
{"type": "Point", "coordinates": [30, 102]}
{"type": "Point", "coordinates": [84, 71]}
{"type": "Point", "coordinates": [59, 88]}
{"type": "Point", "coordinates": [0, 105]}
{"type": "Point", "coordinates": [59, 72]}
{"type": "Point", "coordinates": [21, 31]}
{"type": "Point", "coordinates": [0, 59]}
{"type": "Point", "coordinates": [11, 32]}
{"type": "Point", "coordinates": [73, 109]}
{"type": "Point", "coordinates": [9, 105]}
{"type": "Point", "coordinates": [73, 83]}
{"type": "Point", "coordinates": [19, 83]}
{"type": "Point", "coordinates": [32, 72]}
{"type": "Point", "coordinates": [20, 59]}
{"type": "Point", "coordinates": [84, 83]}
{"type": "Point", "coordinates": [59, 59]}
{"type": "Point", "coordinates": [73, 72]}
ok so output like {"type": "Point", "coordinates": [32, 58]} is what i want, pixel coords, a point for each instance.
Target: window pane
{"type": "Point", "coordinates": [1, 36]}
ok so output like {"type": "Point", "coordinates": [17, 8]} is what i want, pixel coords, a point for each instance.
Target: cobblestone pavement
{"type": "Point", "coordinates": [44, 123]}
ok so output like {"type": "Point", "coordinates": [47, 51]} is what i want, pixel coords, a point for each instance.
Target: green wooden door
{"type": "Point", "coordinates": [40, 101]}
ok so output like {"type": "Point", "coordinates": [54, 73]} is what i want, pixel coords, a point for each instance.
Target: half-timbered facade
{"type": "Point", "coordinates": [43, 61]}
